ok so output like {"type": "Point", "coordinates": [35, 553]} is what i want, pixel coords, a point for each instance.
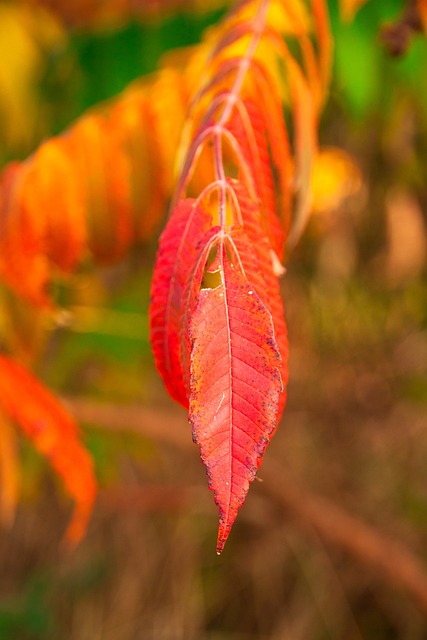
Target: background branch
{"type": "Point", "coordinates": [314, 513]}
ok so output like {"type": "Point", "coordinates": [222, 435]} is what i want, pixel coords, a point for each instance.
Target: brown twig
{"type": "Point", "coordinates": [149, 498]}
{"type": "Point", "coordinates": [397, 36]}
{"type": "Point", "coordinates": [386, 556]}
{"type": "Point", "coordinates": [160, 424]}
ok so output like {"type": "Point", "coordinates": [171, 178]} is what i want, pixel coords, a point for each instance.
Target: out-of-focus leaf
{"type": "Point", "coordinates": [9, 473]}
{"type": "Point", "coordinates": [422, 9]}
{"type": "Point", "coordinates": [92, 192]}
{"type": "Point", "coordinates": [336, 177]}
{"type": "Point", "coordinates": [52, 430]}
{"type": "Point", "coordinates": [407, 237]}
{"type": "Point", "coordinates": [358, 65]}
{"type": "Point", "coordinates": [25, 35]}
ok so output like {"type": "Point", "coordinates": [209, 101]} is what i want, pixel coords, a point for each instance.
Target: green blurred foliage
{"type": "Point", "coordinates": [28, 616]}
{"type": "Point", "coordinates": [367, 78]}
{"type": "Point", "coordinates": [109, 61]}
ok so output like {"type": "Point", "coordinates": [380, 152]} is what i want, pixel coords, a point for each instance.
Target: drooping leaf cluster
{"type": "Point", "coordinates": [239, 202]}
{"type": "Point", "coordinates": [217, 321]}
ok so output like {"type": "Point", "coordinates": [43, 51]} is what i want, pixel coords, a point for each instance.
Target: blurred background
{"type": "Point", "coordinates": [331, 543]}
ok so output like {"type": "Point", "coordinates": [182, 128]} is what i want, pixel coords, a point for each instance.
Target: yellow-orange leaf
{"type": "Point", "coordinates": [336, 177]}
{"type": "Point", "coordinates": [349, 8]}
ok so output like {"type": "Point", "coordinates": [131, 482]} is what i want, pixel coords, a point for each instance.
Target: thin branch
{"type": "Point", "coordinates": [161, 424]}
{"type": "Point", "coordinates": [386, 556]}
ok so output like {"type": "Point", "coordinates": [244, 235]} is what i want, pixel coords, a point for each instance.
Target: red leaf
{"type": "Point", "coordinates": [262, 269]}
{"type": "Point", "coordinates": [257, 265]}
{"type": "Point", "coordinates": [250, 128]}
{"type": "Point", "coordinates": [178, 250]}
{"type": "Point", "coordinates": [52, 430]}
{"type": "Point", "coordinates": [235, 384]}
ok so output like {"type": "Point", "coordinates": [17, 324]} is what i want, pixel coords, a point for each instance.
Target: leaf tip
{"type": "Point", "coordinates": [79, 523]}
{"type": "Point", "coordinates": [223, 533]}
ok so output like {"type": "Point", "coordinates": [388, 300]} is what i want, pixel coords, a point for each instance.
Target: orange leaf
{"type": "Point", "coordinates": [44, 421]}
{"type": "Point", "coordinates": [23, 264]}
{"type": "Point", "coordinates": [93, 191]}
{"type": "Point", "coordinates": [104, 172]}
{"type": "Point", "coordinates": [9, 474]}
{"type": "Point", "coordinates": [324, 37]}
{"type": "Point", "coordinates": [53, 194]}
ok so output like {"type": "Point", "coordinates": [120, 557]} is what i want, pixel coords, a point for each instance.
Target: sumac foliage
{"type": "Point", "coordinates": [217, 322]}
{"type": "Point", "coordinates": [91, 193]}
{"type": "Point", "coordinates": [252, 92]}
{"type": "Point", "coordinates": [81, 198]}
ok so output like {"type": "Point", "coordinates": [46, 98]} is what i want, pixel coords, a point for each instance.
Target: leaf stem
{"type": "Point", "coordinates": [259, 26]}
{"type": "Point", "coordinates": [220, 176]}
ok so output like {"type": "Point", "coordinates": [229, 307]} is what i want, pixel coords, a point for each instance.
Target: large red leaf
{"type": "Point", "coordinates": [235, 384]}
